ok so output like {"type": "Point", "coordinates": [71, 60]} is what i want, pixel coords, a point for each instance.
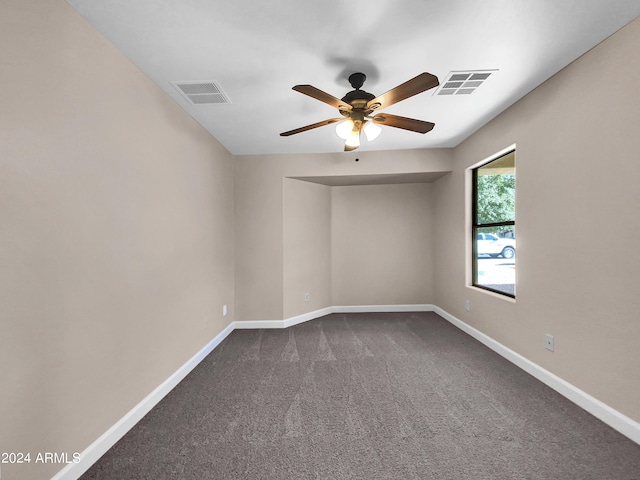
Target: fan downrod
{"type": "Point", "coordinates": [357, 98]}
{"type": "Point", "coordinates": [357, 80]}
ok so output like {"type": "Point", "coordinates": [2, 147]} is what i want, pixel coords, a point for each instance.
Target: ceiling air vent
{"type": "Point", "coordinates": [463, 83]}
{"type": "Point", "coordinates": [201, 92]}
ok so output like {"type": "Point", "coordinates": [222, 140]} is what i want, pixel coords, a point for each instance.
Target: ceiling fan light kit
{"type": "Point", "coordinates": [344, 128]}
{"type": "Point", "coordinates": [358, 106]}
{"type": "Point", "coordinates": [371, 131]}
{"type": "Point", "coordinates": [353, 142]}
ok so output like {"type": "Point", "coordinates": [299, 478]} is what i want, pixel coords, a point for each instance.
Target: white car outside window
{"type": "Point", "coordinates": [490, 244]}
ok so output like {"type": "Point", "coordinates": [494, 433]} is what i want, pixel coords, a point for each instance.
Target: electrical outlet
{"type": "Point", "coordinates": [549, 342]}
{"type": "Point", "coordinates": [224, 310]}
{"type": "Point", "coordinates": [307, 297]}
{"type": "Point", "coordinates": [467, 305]}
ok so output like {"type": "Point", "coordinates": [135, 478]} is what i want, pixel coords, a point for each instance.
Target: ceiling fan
{"type": "Point", "coordinates": [358, 106]}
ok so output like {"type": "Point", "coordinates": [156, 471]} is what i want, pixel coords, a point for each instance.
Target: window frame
{"type": "Point", "coordinates": [475, 226]}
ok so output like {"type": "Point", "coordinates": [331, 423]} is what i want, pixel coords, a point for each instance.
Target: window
{"type": "Point", "coordinates": [494, 225]}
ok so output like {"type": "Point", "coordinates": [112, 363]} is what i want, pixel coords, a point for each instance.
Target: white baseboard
{"type": "Point", "coordinates": [384, 308]}
{"type": "Point", "coordinates": [248, 324]}
{"type": "Point", "coordinates": [613, 418]}
{"type": "Point", "coordinates": [305, 317]}
{"type": "Point", "coordinates": [108, 439]}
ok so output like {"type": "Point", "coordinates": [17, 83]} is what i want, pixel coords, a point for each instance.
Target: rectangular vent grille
{"type": "Point", "coordinates": [201, 92]}
{"type": "Point", "coordinates": [464, 83]}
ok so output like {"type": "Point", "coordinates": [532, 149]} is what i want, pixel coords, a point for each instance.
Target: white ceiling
{"type": "Point", "coordinates": [257, 50]}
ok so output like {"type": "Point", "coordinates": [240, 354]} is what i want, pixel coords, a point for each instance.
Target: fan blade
{"type": "Point", "coordinates": [309, 127]}
{"type": "Point", "coordinates": [347, 148]}
{"type": "Point", "coordinates": [405, 123]}
{"type": "Point", "coordinates": [419, 84]}
{"type": "Point", "coordinates": [313, 92]}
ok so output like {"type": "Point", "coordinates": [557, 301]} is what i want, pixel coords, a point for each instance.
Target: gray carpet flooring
{"type": "Point", "coordinates": [365, 396]}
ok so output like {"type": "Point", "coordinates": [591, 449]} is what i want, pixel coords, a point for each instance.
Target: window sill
{"type": "Point", "coordinates": [492, 294]}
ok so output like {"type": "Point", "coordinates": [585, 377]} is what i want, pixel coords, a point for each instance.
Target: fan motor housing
{"type": "Point", "coordinates": [358, 95]}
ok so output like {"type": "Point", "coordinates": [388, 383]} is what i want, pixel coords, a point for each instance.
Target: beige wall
{"type": "Point", "coordinates": [307, 247]}
{"type": "Point", "coordinates": [262, 285]}
{"type": "Point", "coordinates": [578, 193]}
{"type": "Point", "coordinates": [382, 245]}
{"type": "Point", "coordinates": [116, 234]}
{"type": "Point", "coordinates": [259, 224]}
